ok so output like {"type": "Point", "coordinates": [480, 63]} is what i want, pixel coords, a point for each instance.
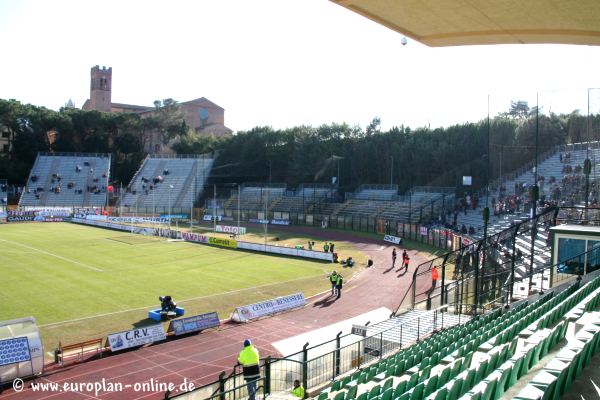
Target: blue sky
{"type": "Point", "coordinates": [276, 62]}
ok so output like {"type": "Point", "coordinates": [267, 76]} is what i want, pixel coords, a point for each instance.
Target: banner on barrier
{"type": "Point", "coordinates": [20, 218]}
{"type": "Point", "coordinates": [210, 217]}
{"type": "Point", "coordinates": [229, 243]}
{"type": "Point", "coordinates": [280, 221]}
{"type": "Point", "coordinates": [231, 229]}
{"type": "Point", "coordinates": [392, 239]}
{"type": "Point", "coordinates": [269, 307]}
{"type": "Point", "coordinates": [286, 251]}
{"type": "Point", "coordinates": [194, 237]}
{"type": "Point", "coordinates": [174, 216]}
{"type": "Point", "coordinates": [136, 337]}
{"type": "Point", "coordinates": [258, 221]}
{"type": "Point", "coordinates": [423, 231]}
{"type": "Point", "coordinates": [195, 323]}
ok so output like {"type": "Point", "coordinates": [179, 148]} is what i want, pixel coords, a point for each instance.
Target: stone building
{"type": "Point", "coordinates": [201, 115]}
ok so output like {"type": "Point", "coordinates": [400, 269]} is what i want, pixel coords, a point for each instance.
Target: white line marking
{"type": "Point", "coordinates": [178, 302]}
{"type": "Point", "coordinates": [54, 255]}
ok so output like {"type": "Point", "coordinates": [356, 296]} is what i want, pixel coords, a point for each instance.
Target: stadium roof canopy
{"type": "Point", "coordinates": [439, 23]}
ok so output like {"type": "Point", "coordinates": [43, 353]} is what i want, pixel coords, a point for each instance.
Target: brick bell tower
{"type": "Point", "coordinates": [100, 89]}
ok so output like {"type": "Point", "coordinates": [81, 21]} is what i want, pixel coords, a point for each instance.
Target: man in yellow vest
{"type": "Point", "coordinates": [333, 279]}
{"type": "Point", "coordinates": [298, 390]}
{"type": "Point", "coordinates": [249, 359]}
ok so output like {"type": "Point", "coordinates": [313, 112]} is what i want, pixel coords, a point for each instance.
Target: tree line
{"type": "Point", "coordinates": [302, 154]}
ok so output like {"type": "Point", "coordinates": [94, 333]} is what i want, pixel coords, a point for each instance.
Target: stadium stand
{"type": "Point", "coordinates": [164, 181]}
{"type": "Point", "coordinates": [491, 354]}
{"type": "Point", "coordinates": [304, 199]}
{"type": "Point", "coordinates": [254, 195]}
{"type": "Point", "coordinates": [67, 180]}
{"type": "Point", "coordinates": [3, 194]}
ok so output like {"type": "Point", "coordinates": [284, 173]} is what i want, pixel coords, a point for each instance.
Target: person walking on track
{"type": "Point", "coordinates": [394, 258]}
{"type": "Point", "coordinates": [333, 279]}
{"type": "Point", "coordinates": [338, 286]}
{"type": "Point", "coordinates": [434, 277]}
{"type": "Point", "coordinates": [405, 260]}
{"type": "Point", "coordinates": [249, 360]}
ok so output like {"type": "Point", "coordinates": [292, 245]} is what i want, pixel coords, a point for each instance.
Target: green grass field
{"type": "Point", "coordinates": [83, 282]}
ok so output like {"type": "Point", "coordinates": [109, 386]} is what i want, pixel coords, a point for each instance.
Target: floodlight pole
{"type": "Point", "coordinates": [214, 207]}
{"type": "Point", "coordinates": [266, 220]}
{"type": "Point", "coordinates": [534, 192]}
{"type": "Point", "coordinates": [170, 188]}
{"type": "Point", "coordinates": [391, 173]}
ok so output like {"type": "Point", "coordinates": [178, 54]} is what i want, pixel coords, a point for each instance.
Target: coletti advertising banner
{"type": "Point", "coordinates": [136, 337]}
{"type": "Point", "coordinates": [231, 229]}
{"type": "Point", "coordinates": [269, 307]}
{"type": "Point", "coordinates": [286, 251]}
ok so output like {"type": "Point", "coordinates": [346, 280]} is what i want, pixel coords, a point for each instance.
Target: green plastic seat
{"type": "Point", "coordinates": [481, 371]}
{"type": "Point", "coordinates": [387, 394]}
{"type": "Point", "coordinates": [351, 393]}
{"type": "Point", "coordinates": [444, 376]}
{"type": "Point", "coordinates": [387, 384]}
{"type": "Point", "coordinates": [417, 392]}
{"type": "Point", "coordinates": [468, 381]}
{"type": "Point", "coordinates": [441, 394]}
{"type": "Point", "coordinates": [502, 383]}
{"type": "Point", "coordinates": [322, 396]}
{"type": "Point", "coordinates": [412, 381]}
{"type": "Point", "coordinates": [340, 396]}
{"type": "Point", "coordinates": [457, 368]}
{"type": "Point", "coordinates": [454, 392]}
{"type": "Point", "coordinates": [514, 372]}
{"type": "Point", "coordinates": [363, 396]}
{"type": "Point", "coordinates": [490, 389]}
{"type": "Point", "coordinates": [400, 389]}
{"type": "Point", "coordinates": [424, 374]}
{"type": "Point", "coordinates": [374, 392]}
{"type": "Point", "coordinates": [431, 385]}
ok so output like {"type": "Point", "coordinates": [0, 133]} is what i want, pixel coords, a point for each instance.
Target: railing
{"type": "Point", "coordinates": [68, 154]}
{"type": "Point", "coordinates": [182, 156]}
{"type": "Point", "coordinates": [486, 270]}
{"type": "Point", "coordinates": [433, 189]}
{"type": "Point", "coordinates": [377, 186]}
{"type": "Point", "coordinates": [318, 365]}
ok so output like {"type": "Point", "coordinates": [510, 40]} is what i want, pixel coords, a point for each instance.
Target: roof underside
{"type": "Point", "coordinates": [478, 22]}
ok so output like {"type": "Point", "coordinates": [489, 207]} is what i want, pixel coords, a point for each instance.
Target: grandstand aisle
{"type": "Point", "coordinates": [201, 358]}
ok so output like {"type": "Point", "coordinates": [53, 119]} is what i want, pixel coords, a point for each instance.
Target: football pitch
{"type": "Point", "coordinates": [84, 282]}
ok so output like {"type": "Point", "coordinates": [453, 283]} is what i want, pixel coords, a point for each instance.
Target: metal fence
{"type": "Point", "coordinates": [488, 273]}
{"type": "Point", "coordinates": [318, 365]}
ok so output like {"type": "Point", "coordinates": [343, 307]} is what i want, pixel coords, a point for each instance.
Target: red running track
{"type": "Point", "coordinates": [201, 358]}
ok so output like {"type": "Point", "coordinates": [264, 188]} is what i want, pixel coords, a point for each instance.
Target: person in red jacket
{"type": "Point", "coordinates": [435, 275]}
{"type": "Point", "coordinates": [405, 260]}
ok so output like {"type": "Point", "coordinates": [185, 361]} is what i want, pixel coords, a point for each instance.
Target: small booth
{"type": "Point", "coordinates": [21, 353]}
{"type": "Point", "coordinates": [575, 249]}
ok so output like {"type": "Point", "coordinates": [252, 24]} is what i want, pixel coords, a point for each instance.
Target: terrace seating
{"type": "Point", "coordinates": [71, 180]}
{"type": "Point", "coordinates": [487, 356]}
{"type": "Point", "coordinates": [166, 181]}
